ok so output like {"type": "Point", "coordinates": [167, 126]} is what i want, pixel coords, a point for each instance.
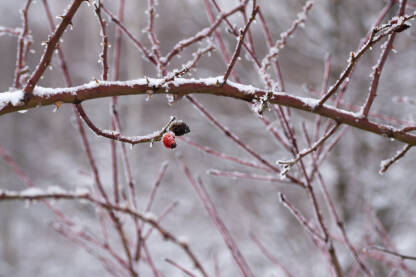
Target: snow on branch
{"type": "Point", "coordinates": [83, 194]}
{"type": "Point", "coordinates": [14, 100]}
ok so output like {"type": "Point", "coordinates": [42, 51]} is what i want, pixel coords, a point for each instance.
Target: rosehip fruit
{"type": "Point", "coordinates": [168, 140]}
{"type": "Point", "coordinates": [179, 127]}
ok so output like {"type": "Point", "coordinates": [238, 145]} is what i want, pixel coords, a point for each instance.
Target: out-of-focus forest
{"type": "Point", "coordinates": [377, 210]}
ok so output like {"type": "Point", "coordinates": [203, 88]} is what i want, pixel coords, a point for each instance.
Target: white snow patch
{"type": "Point", "coordinates": [32, 192]}
{"type": "Point", "coordinates": [11, 97]}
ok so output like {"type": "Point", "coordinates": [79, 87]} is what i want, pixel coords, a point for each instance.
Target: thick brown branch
{"type": "Point", "coordinates": [12, 101]}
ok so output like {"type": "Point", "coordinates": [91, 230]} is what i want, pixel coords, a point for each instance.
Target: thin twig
{"type": "Point", "coordinates": [248, 176]}
{"type": "Point", "coordinates": [377, 69]}
{"type": "Point", "coordinates": [269, 255]}
{"type": "Point", "coordinates": [181, 268]}
{"type": "Point", "coordinates": [23, 42]}
{"type": "Point", "coordinates": [156, 136]}
{"type": "Point", "coordinates": [354, 56]}
{"type": "Point", "coordinates": [123, 209]}
{"type": "Point", "coordinates": [222, 155]}
{"type": "Point", "coordinates": [210, 207]}
{"type": "Point", "coordinates": [305, 223]}
{"type": "Point", "coordinates": [51, 46]}
{"type": "Point", "coordinates": [314, 147]}
{"type": "Point", "coordinates": [401, 256]}
{"type": "Point", "coordinates": [240, 43]}
{"type": "Point", "coordinates": [385, 165]}
{"type": "Point", "coordinates": [181, 45]}
{"type": "Point", "coordinates": [137, 43]}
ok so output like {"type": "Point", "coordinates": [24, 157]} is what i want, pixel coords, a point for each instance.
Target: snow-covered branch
{"type": "Point", "coordinates": [13, 101]}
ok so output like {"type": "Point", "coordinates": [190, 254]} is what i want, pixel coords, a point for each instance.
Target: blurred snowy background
{"type": "Point", "coordinates": [47, 146]}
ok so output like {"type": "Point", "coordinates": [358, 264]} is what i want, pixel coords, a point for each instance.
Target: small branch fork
{"type": "Point", "coordinates": [299, 156]}
{"type": "Point", "coordinates": [41, 195]}
{"type": "Point", "coordinates": [114, 135]}
{"type": "Point", "coordinates": [387, 48]}
{"type": "Point", "coordinates": [240, 43]}
{"type": "Point", "coordinates": [386, 164]}
{"type": "Point", "coordinates": [50, 49]}
{"type": "Point", "coordinates": [376, 34]}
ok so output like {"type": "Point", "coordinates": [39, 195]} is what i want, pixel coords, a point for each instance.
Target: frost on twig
{"type": "Point", "coordinates": [114, 135]}
{"type": "Point", "coordinates": [40, 194]}
{"type": "Point", "coordinates": [287, 165]}
{"type": "Point", "coordinates": [385, 164]}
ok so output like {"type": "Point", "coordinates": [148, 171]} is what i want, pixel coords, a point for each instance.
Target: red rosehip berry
{"type": "Point", "coordinates": [168, 140]}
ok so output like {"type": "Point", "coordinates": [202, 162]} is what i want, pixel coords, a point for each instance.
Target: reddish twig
{"type": "Point", "coordinates": [274, 51]}
{"type": "Point", "coordinates": [354, 56]}
{"type": "Point", "coordinates": [137, 43]}
{"type": "Point", "coordinates": [219, 39]}
{"type": "Point", "coordinates": [237, 50]}
{"type": "Point", "coordinates": [377, 69]}
{"type": "Point", "coordinates": [150, 261]}
{"type": "Point", "coordinates": [113, 108]}
{"type": "Point", "coordinates": [209, 206]}
{"type": "Point", "coordinates": [104, 41]}
{"type": "Point", "coordinates": [269, 41]}
{"type": "Point", "coordinates": [224, 156]}
{"type": "Point", "coordinates": [10, 31]}
{"type": "Point", "coordinates": [181, 45]}
{"type": "Point", "coordinates": [152, 36]}
{"type": "Point", "coordinates": [114, 135]}
{"type": "Point", "coordinates": [305, 223]}
{"type": "Point", "coordinates": [385, 165]}
{"type": "Point", "coordinates": [401, 256]}
{"type": "Point", "coordinates": [271, 258]}
{"type": "Point", "coordinates": [23, 42]}
{"type": "Point", "coordinates": [181, 268]}
{"type": "Point", "coordinates": [108, 206]}
{"type": "Point", "coordinates": [289, 164]}
{"type": "Point", "coordinates": [233, 137]}
{"type": "Point", "coordinates": [50, 48]}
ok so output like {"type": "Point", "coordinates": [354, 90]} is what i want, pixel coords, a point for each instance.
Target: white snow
{"type": "Point", "coordinates": [11, 97]}
{"type": "Point", "coordinates": [32, 192]}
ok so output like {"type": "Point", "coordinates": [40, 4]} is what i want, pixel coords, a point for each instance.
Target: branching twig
{"type": "Point", "coordinates": [379, 67]}
{"type": "Point", "coordinates": [306, 224]}
{"type": "Point", "coordinates": [243, 33]}
{"type": "Point", "coordinates": [51, 46]}
{"type": "Point", "coordinates": [274, 51]}
{"type": "Point", "coordinates": [354, 56]}
{"type": "Point", "coordinates": [209, 206]}
{"type": "Point", "coordinates": [87, 196]}
{"type": "Point", "coordinates": [137, 43]}
{"type": "Point", "coordinates": [387, 163]}
{"type": "Point", "coordinates": [314, 147]}
{"type": "Point", "coordinates": [22, 44]}
{"type": "Point", "coordinates": [181, 268]}
{"type": "Point", "coordinates": [401, 256]}
{"type": "Point", "coordinates": [224, 156]}
{"type": "Point", "coordinates": [269, 255]}
{"type": "Point", "coordinates": [181, 45]}
{"type": "Point", "coordinates": [114, 135]}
